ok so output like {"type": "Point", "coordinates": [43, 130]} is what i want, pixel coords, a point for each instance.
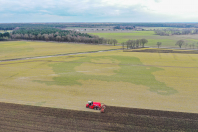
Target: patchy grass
{"type": "Point", "coordinates": [163, 81]}
{"type": "Point", "coordinates": [119, 68]}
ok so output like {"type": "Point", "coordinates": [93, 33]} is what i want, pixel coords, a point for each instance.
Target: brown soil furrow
{"type": "Point", "coordinates": [15, 117]}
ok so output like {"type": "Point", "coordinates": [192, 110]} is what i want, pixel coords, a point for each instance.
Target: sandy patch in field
{"type": "Point", "coordinates": [99, 67]}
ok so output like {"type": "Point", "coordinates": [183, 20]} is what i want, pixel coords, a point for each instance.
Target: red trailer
{"type": "Point", "coordinates": [96, 106]}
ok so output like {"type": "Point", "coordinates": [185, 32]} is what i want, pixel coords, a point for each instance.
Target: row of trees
{"type": "Point", "coordinates": [167, 32]}
{"type": "Point", "coordinates": [48, 31]}
{"type": "Point", "coordinates": [54, 34]}
{"type": "Point", "coordinates": [181, 43]}
{"type": "Point", "coordinates": [11, 26]}
{"type": "Point", "coordinates": [132, 44]}
{"type": "Point", "coordinates": [124, 27]}
{"type": "Point", "coordinates": [67, 38]}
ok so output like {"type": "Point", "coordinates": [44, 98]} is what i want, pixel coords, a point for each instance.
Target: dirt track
{"type": "Point", "coordinates": [161, 50]}
{"type": "Point", "coordinates": [21, 118]}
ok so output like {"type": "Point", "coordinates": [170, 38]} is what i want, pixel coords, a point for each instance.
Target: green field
{"type": "Point", "coordinates": [163, 81]}
{"type": "Point", "coordinates": [3, 31]}
{"type": "Point", "coordinates": [167, 41]}
{"type": "Point", "coordinates": [21, 49]}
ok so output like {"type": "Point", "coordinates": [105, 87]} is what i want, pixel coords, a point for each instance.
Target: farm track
{"type": "Point", "coordinates": [15, 117]}
{"type": "Point", "coordinates": [48, 56]}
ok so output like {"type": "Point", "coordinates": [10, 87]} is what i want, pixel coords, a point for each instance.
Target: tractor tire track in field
{"type": "Point", "coordinates": [15, 117]}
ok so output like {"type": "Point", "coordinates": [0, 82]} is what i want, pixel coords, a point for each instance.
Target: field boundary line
{"type": "Point", "coordinates": [48, 56]}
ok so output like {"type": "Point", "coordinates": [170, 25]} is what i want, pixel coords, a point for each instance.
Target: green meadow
{"type": "Point", "coordinates": [162, 81]}
{"type": "Point", "coordinates": [3, 31]}
{"type": "Point", "coordinates": [167, 41]}
{"type": "Point", "coordinates": [22, 49]}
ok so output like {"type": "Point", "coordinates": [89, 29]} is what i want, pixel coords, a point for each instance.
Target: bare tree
{"type": "Point", "coordinates": [115, 42]}
{"type": "Point", "coordinates": [58, 38]}
{"type": "Point", "coordinates": [137, 42]}
{"type": "Point", "coordinates": [133, 43]}
{"type": "Point", "coordinates": [111, 41]}
{"type": "Point", "coordinates": [128, 43]}
{"type": "Point", "coordinates": [46, 37]}
{"type": "Point", "coordinates": [159, 44]}
{"type": "Point", "coordinates": [26, 36]}
{"type": "Point", "coordinates": [186, 44]}
{"type": "Point", "coordinates": [143, 41]}
{"type": "Point", "coordinates": [193, 45]}
{"type": "Point", "coordinates": [39, 36]}
{"type": "Point", "coordinates": [197, 45]}
{"type": "Point", "coordinates": [190, 45]}
{"type": "Point", "coordinates": [180, 43]}
{"type": "Point", "coordinates": [108, 41]}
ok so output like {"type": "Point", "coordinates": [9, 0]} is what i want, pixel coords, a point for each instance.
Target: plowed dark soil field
{"type": "Point", "coordinates": [14, 117]}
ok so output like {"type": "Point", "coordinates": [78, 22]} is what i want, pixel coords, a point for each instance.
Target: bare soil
{"type": "Point", "coordinates": [15, 117]}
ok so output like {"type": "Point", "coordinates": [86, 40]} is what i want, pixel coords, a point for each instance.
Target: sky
{"type": "Point", "coordinates": [16, 11]}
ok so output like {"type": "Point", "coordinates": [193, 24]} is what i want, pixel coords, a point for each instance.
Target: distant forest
{"type": "Point", "coordinates": [6, 34]}
{"type": "Point", "coordinates": [57, 32]}
{"type": "Point", "coordinates": [167, 32]}
{"type": "Point", "coordinates": [54, 34]}
{"type": "Point", "coordinates": [11, 26]}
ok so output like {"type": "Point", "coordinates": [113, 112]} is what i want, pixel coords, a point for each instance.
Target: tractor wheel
{"type": "Point", "coordinates": [95, 108]}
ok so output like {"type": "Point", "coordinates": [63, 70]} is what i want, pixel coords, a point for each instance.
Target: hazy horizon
{"type": "Point", "coordinates": [60, 11]}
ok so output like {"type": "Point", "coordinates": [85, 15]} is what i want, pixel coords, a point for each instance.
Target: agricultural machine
{"type": "Point", "coordinates": [96, 106]}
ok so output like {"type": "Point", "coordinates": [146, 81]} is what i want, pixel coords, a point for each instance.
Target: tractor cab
{"type": "Point", "coordinates": [90, 103]}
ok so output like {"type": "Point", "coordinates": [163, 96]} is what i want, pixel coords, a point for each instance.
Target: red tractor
{"type": "Point", "coordinates": [96, 106]}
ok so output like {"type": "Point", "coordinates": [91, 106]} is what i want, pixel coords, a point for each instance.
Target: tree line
{"type": "Point", "coordinates": [11, 26]}
{"type": "Point", "coordinates": [53, 34]}
{"type": "Point", "coordinates": [167, 32]}
{"type": "Point", "coordinates": [181, 43]}
{"type": "Point", "coordinates": [132, 44]}
{"type": "Point", "coordinates": [124, 27]}
{"type": "Point", "coordinates": [6, 34]}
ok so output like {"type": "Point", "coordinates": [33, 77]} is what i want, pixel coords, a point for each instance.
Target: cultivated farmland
{"type": "Point", "coordinates": [31, 118]}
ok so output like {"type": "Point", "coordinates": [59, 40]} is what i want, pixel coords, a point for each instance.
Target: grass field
{"type": "Point", "coordinates": [21, 49]}
{"type": "Point", "coordinates": [3, 31]}
{"type": "Point", "coordinates": [163, 81]}
{"type": "Point", "coordinates": [167, 41]}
